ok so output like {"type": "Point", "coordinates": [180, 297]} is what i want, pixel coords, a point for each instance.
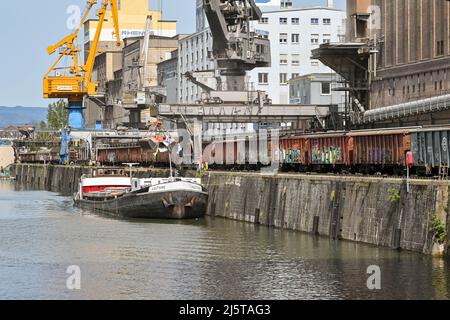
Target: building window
{"type": "Point", "coordinates": [295, 59]}
{"type": "Point", "coordinates": [264, 35]}
{"type": "Point", "coordinates": [263, 78]}
{"type": "Point", "coordinates": [295, 20]}
{"type": "Point", "coordinates": [259, 49]}
{"type": "Point", "coordinates": [264, 20]}
{"type": "Point", "coordinates": [314, 21]}
{"type": "Point", "coordinates": [283, 78]}
{"type": "Point", "coordinates": [286, 4]}
{"type": "Point", "coordinates": [326, 88]}
{"type": "Point", "coordinates": [314, 63]}
{"type": "Point", "coordinates": [283, 20]}
{"type": "Point", "coordinates": [283, 38]}
{"type": "Point", "coordinates": [326, 38]}
{"type": "Point", "coordinates": [440, 48]}
{"type": "Point", "coordinates": [315, 39]}
{"type": "Point", "coordinates": [327, 21]}
{"type": "Point", "coordinates": [283, 59]}
{"type": "Point", "coordinates": [295, 38]}
{"type": "Point", "coordinates": [295, 75]}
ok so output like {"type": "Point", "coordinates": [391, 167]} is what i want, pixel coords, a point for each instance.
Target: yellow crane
{"type": "Point", "coordinates": [73, 82]}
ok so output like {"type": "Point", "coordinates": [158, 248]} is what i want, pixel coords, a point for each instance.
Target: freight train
{"type": "Point", "coordinates": [362, 151]}
{"type": "Point", "coordinates": [131, 153]}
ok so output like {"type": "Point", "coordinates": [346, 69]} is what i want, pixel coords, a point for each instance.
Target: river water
{"type": "Point", "coordinates": [42, 234]}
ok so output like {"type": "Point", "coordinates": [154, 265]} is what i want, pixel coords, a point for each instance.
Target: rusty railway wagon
{"type": "Point", "coordinates": [39, 157]}
{"type": "Point", "coordinates": [378, 150]}
{"type": "Point", "coordinates": [131, 153]}
{"type": "Point", "coordinates": [369, 151]}
{"type": "Point", "coordinates": [238, 154]}
{"type": "Point", "coordinates": [363, 151]}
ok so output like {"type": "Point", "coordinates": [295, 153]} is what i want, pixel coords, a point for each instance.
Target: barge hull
{"type": "Point", "coordinates": [173, 205]}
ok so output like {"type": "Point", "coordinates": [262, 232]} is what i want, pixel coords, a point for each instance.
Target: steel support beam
{"type": "Point", "coordinates": [235, 113]}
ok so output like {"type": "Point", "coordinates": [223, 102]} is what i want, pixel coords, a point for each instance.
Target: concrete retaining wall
{"type": "Point", "coordinates": [375, 211]}
{"type": "Point", "coordinates": [368, 210]}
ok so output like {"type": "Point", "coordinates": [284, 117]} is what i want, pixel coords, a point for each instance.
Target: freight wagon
{"type": "Point", "coordinates": [131, 153]}
{"type": "Point", "coordinates": [383, 151]}
{"type": "Point", "coordinates": [430, 149]}
{"type": "Point", "coordinates": [41, 157]}
{"type": "Point", "coordinates": [246, 153]}
{"type": "Point", "coordinates": [369, 151]}
{"type": "Point", "coordinates": [318, 153]}
{"type": "Point", "coordinates": [363, 151]}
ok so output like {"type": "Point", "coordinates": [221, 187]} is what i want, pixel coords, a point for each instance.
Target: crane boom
{"type": "Point", "coordinates": [76, 84]}
{"type": "Point", "coordinates": [89, 65]}
{"type": "Point", "coordinates": [144, 52]}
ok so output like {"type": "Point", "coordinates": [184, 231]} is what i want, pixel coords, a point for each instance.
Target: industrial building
{"type": "Point", "coordinates": [118, 75]}
{"type": "Point", "coordinates": [133, 15]}
{"type": "Point", "coordinates": [293, 33]}
{"type": "Point", "coordinates": [168, 77]}
{"type": "Point", "coordinates": [395, 59]}
{"type": "Point", "coordinates": [117, 70]}
{"type": "Point", "coordinates": [316, 89]}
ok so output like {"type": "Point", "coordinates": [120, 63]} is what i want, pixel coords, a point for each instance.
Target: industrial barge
{"type": "Point", "coordinates": [111, 192]}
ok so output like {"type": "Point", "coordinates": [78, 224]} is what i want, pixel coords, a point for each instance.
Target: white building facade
{"type": "Point", "coordinates": [193, 55]}
{"type": "Point", "coordinates": [317, 89]}
{"type": "Point", "coordinates": [293, 34]}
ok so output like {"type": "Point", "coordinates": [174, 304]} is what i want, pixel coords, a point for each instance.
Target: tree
{"type": "Point", "coordinates": [57, 115]}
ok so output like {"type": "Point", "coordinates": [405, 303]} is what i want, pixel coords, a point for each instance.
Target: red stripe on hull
{"type": "Point", "coordinates": [100, 188]}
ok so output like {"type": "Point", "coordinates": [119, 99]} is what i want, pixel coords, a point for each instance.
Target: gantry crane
{"type": "Point", "coordinates": [236, 48]}
{"type": "Point", "coordinates": [74, 82]}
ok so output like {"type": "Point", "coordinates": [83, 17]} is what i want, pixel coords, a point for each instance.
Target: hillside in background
{"type": "Point", "coordinates": [21, 115]}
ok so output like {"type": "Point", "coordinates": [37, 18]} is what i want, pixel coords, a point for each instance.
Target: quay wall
{"type": "Point", "coordinates": [375, 211]}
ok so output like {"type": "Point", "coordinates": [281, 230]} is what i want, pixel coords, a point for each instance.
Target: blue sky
{"type": "Point", "coordinates": [27, 27]}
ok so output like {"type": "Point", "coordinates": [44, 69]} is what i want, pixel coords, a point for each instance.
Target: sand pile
{"type": "Point", "coordinates": [6, 156]}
